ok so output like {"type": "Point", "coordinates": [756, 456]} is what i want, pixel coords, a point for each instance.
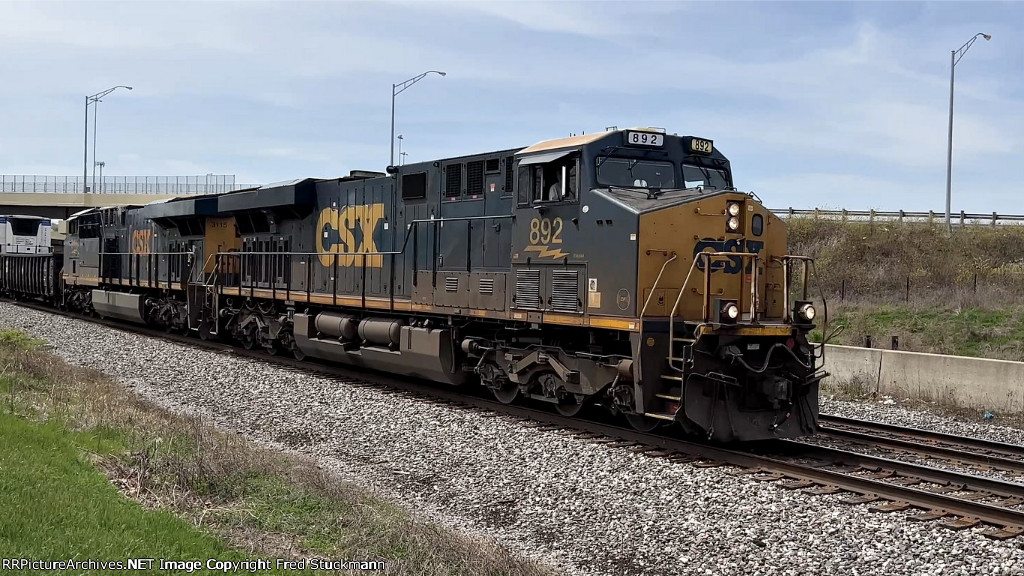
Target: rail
{"type": "Point", "coordinates": [272, 271]}
{"type": "Point", "coordinates": [143, 269]}
{"type": "Point", "coordinates": [963, 218]}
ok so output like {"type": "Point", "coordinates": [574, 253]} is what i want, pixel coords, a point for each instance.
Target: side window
{"type": "Point", "coordinates": [558, 181]}
{"type": "Point", "coordinates": [554, 181]}
{"type": "Point", "coordinates": [525, 186]}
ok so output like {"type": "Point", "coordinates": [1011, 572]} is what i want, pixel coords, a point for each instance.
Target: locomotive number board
{"type": "Point", "coordinates": [645, 139]}
{"type": "Point", "coordinates": [701, 146]}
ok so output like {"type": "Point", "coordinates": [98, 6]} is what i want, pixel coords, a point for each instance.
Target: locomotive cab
{"type": "Point", "coordinates": [693, 271]}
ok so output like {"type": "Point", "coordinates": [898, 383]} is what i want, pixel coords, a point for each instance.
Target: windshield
{"type": "Point", "coordinates": [635, 173]}
{"type": "Point", "coordinates": [24, 226]}
{"type": "Point", "coordinates": [703, 177]}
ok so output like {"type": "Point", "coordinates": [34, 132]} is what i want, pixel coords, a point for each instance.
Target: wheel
{"type": "Point", "coordinates": [569, 406]}
{"type": "Point", "coordinates": [298, 354]}
{"type": "Point", "coordinates": [248, 340]}
{"type": "Point", "coordinates": [642, 423]}
{"type": "Point", "coordinates": [506, 392]}
{"type": "Point", "coordinates": [270, 347]}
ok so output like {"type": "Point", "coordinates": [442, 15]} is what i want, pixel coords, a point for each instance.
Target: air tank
{"type": "Point", "coordinates": [340, 326]}
{"type": "Point", "coordinates": [381, 331]}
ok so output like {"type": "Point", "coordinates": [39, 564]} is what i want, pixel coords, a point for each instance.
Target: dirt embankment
{"type": "Point", "coordinates": [949, 294]}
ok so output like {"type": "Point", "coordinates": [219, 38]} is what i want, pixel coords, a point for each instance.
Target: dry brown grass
{"type": "Point", "coordinates": [966, 292]}
{"type": "Point", "coordinates": [874, 260]}
{"type": "Point", "coordinates": [262, 501]}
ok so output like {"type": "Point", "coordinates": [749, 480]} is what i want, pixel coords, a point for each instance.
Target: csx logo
{"type": "Point", "coordinates": [728, 264]}
{"type": "Point", "coordinates": [349, 230]}
{"type": "Point", "coordinates": [141, 241]}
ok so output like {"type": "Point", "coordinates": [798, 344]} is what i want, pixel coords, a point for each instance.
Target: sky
{"type": "Point", "coordinates": [832, 105]}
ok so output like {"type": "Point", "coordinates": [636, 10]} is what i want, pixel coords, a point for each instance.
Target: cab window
{"type": "Point", "coordinates": [548, 182]}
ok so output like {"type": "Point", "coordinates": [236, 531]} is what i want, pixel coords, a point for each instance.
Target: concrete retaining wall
{"type": "Point", "coordinates": [976, 383]}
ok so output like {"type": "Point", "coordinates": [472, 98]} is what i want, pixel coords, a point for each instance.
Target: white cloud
{"type": "Point", "coordinates": [278, 90]}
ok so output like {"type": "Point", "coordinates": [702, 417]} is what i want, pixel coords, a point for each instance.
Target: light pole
{"type": "Point", "coordinates": [402, 155]}
{"type": "Point", "coordinates": [101, 165]}
{"type": "Point", "coordinates": [94, 100]}
{"type": "Point", "coordinates": [400, 138]}
{"type": "Point", "coordinates": [397, 89]}
{"type": "Point", "coordinates": [954, 57]}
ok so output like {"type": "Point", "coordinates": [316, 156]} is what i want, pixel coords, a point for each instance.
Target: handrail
{"type": "Point", "coordinates": [706, 256]}
{"type": "Point", "coordinates": [639, 366]}
{"type": "Point", "coordinates": [785, 282]}
{"type": "Point", "coordinates": [405, 242]}
{"type": "Point", "coordinates": [153, 269]}
{"type": "Point", "coordinates": [675, 307]}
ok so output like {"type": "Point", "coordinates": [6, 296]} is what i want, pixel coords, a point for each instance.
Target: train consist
{"type": "Point", "coordinates": [620, 269]}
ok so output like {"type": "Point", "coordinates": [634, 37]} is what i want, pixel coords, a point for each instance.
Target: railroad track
{"type": "Point", "coordinates": [958, 500]}
{"type": "Point", "coordinates": [983, 455]}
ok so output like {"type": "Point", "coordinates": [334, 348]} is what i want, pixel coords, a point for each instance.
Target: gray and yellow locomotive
{"type": "Point", "coordinates": [619, 269]}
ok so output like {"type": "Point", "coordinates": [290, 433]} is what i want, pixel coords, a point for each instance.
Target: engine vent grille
{"type": "Point", "coordinates": [565, 287]}
{"type": "Point", "coordinates": [486, 286]}
{"type": "Point", "coordinates": [475, 177]}
{"type": "Point", "coordinates": [528, 289]}
{"type": "Point", "coordinates": [451, 284]}
{"type": "Point", "coordinates": [508, 175]}
{"type": "Point", "coordinates": [453, 180]}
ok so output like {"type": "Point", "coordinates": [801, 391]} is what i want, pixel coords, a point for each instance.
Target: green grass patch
{"type": "Point", "coordinates": [992, 333]}
{"type": "Point", "coordinates": [90, 471]}
{"type": "Point", "coordinates": [58, 506]}
{"type": "Point", "coordinates": [17, 340]}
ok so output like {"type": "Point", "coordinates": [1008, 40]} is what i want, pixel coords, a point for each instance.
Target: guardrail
{"type": "Point", "coordinates": [175, 185]}
{"type": "Point", "coordinates": [963, 218]}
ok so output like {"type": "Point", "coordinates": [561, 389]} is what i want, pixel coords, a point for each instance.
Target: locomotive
{"type": "Point", "coordinates": [28, 266]}
{"type": "Point", "coordinates": [620, 270]}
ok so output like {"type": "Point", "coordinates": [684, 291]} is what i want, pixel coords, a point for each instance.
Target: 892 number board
{"type": "Point", "coordinates": [645, 139]}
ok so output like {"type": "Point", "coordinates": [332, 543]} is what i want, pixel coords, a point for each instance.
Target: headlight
{"type": "Point", "coordinates": [734, 209]}
{"type": "Point", "coordinates": [806, 312]}
{"type": "Point", "coordinates": [730, 311]}
{"type": "Point", "coordinates": [734, 223]}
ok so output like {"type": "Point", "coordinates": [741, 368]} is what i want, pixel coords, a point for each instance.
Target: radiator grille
{"type": "Point", "coordinates": [508, 175]}
{"type": "Point", "coordinates": [564, 291]}
{"type": "Point", "coordinates": [475, 177]}
{"type": "Point", "coordinates": [453, 180]}
{"type": "Point", "coordinates": [528, 289]}
{"type": "Point", "coordinates": [451, 284]}
{"type": "Point", "coordinates": [486, 286]}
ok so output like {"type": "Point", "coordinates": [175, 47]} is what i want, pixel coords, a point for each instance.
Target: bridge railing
{"type": "Point", "coordinates": [960, 218]}
{"type": "Point", "coordinates": [176, 185]}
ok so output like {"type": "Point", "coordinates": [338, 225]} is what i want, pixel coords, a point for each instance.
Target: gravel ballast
{"type": "Point", "coordinates": [585, 508]}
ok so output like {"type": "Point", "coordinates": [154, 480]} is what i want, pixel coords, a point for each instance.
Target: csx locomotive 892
{"type": "Point", "coordinates": [620, 269]}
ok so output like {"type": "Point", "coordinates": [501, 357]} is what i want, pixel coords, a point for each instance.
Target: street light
{"type": "Point", "coordinates": [954, 57]}
{"type": "Point", "coordinates": [397, 89]}
{"type": "Point", "coordinates": [101, 165]}
{"type": "Point", "coordinates": [400, 155]}
{"type": "Point", "coordinates": [94, 99]}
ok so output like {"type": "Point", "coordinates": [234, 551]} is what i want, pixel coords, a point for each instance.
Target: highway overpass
{"type": "Point", "coordinates": [62, 196]}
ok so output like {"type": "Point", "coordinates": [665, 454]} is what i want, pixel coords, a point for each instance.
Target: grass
{"type": "Point", "coordinates": [89, 470]}
{"type": "Point", "coordinates": [966, 290]}
{"type": "Point", "coordinates": [57, 505]}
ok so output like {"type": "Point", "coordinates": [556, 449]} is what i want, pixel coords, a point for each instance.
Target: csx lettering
{"type": "Point", "coordinates": [141, 241]}
{"type": "Point", "coordinates": [728, 264]}
{"type": "Point", "coordinates": [349, 230]}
